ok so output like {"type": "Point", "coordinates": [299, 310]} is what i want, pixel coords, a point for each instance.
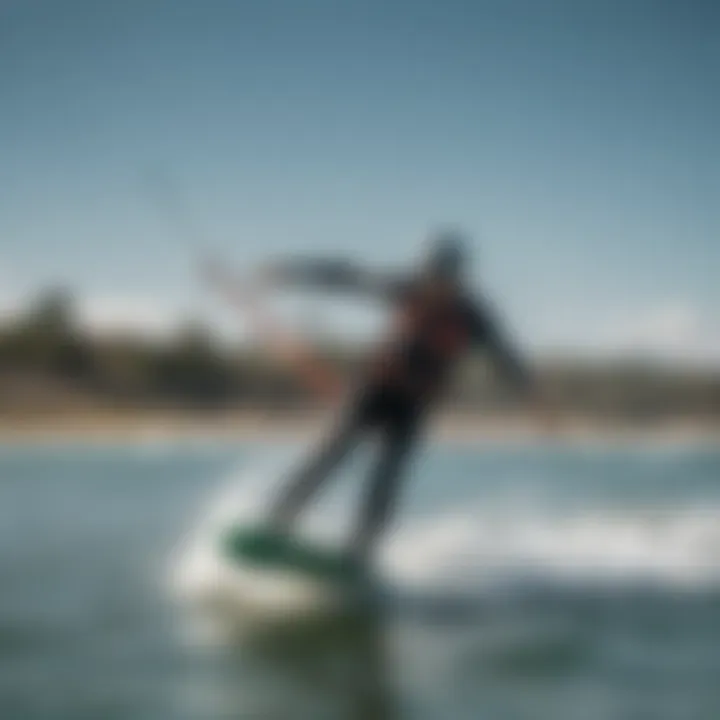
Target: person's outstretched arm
{"type": "Point", "coordinates": [333, 275]}
{"type": "Point", "coordinates": [487, 333]}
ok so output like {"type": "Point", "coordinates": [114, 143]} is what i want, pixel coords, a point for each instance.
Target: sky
{"type": "Point", "coordinates": [574, 140]}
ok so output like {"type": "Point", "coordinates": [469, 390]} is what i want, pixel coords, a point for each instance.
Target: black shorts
{"type": "Point", "coordinates": [385, 408]}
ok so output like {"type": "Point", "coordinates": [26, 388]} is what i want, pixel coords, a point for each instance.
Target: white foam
{"type": "Point", "coordinates": [201, 574]}
{"type": "Point", "coordinates": [677, 548]}
{"type": "Point", "coordinates": [470, 548]}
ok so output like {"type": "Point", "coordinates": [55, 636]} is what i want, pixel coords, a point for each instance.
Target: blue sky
{"type": "Point", "coordinates": [575, 140]}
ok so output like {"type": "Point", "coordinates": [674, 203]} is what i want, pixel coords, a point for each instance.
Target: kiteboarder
{"type": "Point", "coordinates": [435, 322]}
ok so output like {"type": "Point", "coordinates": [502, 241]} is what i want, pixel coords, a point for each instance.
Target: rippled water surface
{"type": "Point", "coordinates": [520, 582]}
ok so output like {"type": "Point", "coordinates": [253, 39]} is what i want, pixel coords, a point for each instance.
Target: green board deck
{"type": "Point", "coordinates": [266, 549]}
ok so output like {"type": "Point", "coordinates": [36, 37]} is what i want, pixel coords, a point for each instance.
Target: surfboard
{"type": "Point", "coordinates": [267, 550]}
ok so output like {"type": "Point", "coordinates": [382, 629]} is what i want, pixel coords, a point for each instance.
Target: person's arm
{"type": "Point", "coordinates": [487, 332]}
{"type": "Point", "coordinates": [332, 275]}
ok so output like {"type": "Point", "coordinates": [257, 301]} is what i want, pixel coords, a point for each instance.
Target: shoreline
{"type": "Point", "coordinates": [148, 426]}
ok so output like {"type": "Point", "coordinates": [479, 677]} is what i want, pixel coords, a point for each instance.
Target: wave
{"type": "Point", "coordinates": [201, 574]}
{"type": "Point", "coordinates": [474, 548]}
{"type": "Point", "coordinates": [676, 548]}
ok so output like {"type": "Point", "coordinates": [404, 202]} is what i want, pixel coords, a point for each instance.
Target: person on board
{"type": "Point", "coordinates": [435, 322]}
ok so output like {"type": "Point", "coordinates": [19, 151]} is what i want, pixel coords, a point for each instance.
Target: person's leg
{"type": "Point", "coordinates": [383, 486]}
{"type": "Point", "coordinates": [307, 480]}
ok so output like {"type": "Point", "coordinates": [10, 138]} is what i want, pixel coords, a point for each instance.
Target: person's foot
{"type": "Point", "coordinates": [257, 543]}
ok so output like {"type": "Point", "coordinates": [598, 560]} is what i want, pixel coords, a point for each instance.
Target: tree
{"type": "Point", "coordinates": [191, 369]}
{"type": "Point", "coordinates": [47, 339]}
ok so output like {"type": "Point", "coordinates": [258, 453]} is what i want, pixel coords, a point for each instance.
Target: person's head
{"type": "Point", "coordinates": [446, 258]}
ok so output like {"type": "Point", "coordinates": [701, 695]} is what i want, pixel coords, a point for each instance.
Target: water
{"type": "Point", "coordinates": [524, 582]}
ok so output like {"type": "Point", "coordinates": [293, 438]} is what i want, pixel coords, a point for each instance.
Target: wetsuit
{"type": "Point", "coordinates": [402, 380]}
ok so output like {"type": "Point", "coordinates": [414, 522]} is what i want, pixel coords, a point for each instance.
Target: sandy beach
{"type": "Point", "coordinates": [144, 426]}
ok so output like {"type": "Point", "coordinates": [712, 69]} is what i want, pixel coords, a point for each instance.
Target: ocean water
{"type": "Point", "coordinates": [559, 581]}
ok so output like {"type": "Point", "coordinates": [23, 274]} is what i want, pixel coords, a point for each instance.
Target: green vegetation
{"type": "Point", "coordinates": [48, 362]}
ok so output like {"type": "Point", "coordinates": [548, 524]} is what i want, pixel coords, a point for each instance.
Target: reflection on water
{"type": "Point", "coordinates": [336, 667]}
